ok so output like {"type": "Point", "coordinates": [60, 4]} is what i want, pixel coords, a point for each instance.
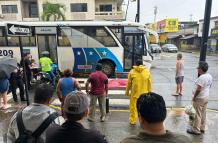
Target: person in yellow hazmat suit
{"type": "Point", "coordinates": [139, 81]}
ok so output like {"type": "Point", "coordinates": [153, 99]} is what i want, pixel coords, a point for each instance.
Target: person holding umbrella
{"type": "Point", "coordinates": [7, 66]}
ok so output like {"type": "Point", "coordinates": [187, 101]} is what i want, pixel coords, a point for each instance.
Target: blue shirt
{"type": "Point", "coordinates": [67, 85]}
{"type": "Point", "coordinates": [3, 85]}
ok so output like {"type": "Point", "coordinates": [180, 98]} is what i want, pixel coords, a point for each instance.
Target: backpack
{"type": "Point", "coordinates": [26, 136]}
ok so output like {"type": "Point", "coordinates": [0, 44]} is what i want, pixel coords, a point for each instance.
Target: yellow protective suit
{"type": "Point", "coordinates": [139, 81]}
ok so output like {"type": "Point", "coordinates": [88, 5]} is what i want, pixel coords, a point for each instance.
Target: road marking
{"type": "Point", "coordinates": [117, 110]}
{"type": "Point", "coordinates": [119, 102]}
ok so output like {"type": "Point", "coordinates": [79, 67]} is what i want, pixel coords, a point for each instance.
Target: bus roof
{"type": "Point", "coordinates": [74, 23]}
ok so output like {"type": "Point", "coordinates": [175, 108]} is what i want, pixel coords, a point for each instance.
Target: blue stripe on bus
{"type": "Point", "coordinates": [90, 56]}
{"type": "Point", "coordinates": [79, 59]}
{"type": "Point", "coordinates": [107, 54]}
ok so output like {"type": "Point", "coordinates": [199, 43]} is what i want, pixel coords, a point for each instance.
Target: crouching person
{"type": "Point", "coordinates": [152, 113]}
{"type": "Point", "coordinates": [31, 122]}
{"type": "Point", "coordinates": [76, 106]}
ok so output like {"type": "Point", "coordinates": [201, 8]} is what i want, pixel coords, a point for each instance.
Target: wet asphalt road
{"type": "Point", "coordinates": [163, 76]}
{"type": "Point", "coordinates": [116, 127]}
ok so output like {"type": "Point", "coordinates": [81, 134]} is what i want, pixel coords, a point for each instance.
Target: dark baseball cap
{"type": "Point", "coordinates": [76, 102]}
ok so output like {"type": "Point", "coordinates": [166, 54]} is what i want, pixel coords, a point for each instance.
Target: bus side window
{"type": "Point", "coordinates": [13, 41]}
{"type": "Point", "coordinates": [28, 41]}
{"type": "Point", "coordinates": [2, 37]}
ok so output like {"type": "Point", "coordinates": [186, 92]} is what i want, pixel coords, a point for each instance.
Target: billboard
{"type": "Point", "coordinates": [161, 26]}
{"type": "Point", "coordinates": [171, 25]}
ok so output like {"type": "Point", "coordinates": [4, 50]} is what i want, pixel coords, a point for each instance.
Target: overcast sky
{"type": "Point", "coordinates": [169, 9]}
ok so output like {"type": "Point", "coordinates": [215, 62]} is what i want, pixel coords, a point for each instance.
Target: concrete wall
{"type": "Point", "coordinates": [89, 15]}
{"type": "Point", "coordinates": [11, 16]}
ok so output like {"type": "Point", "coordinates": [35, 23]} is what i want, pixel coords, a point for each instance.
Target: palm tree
{"type": "Point", "coordinates": [50, 9]}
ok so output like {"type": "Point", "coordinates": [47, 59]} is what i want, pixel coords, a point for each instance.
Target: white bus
{"type": "Point", "coordinates": [80, 45]}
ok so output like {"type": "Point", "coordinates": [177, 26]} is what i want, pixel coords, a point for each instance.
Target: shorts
{"type": "Point", "coordinates": [179, 79]}
{"type": "Point", "coordinates": [4, 85]}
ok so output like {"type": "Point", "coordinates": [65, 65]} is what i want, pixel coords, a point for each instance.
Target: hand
{"type": "Point", "coordinates": [87, 91]}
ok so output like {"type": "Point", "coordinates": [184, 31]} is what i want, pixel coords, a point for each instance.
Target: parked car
{"type": "Point", "coordinates": [169, 48]}
{"type": "Point", "coordinates": [155, 48]}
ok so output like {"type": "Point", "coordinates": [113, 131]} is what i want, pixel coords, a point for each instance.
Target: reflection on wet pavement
{"type": "Point", "coordinates": [117, 126]}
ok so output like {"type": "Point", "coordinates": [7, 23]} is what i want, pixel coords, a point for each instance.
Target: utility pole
{"type": "Point", "coordinates": [206, 26]}
{"type": "Point", "coordinates": [137, 17]}
{"type": "Point", "coordinates": [155, 16]}
{"type": "Point", "coordinates": [191, 17]}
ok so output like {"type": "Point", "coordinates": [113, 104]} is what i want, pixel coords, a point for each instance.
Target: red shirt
{"type": "Point", "coordinates": [98, 81]}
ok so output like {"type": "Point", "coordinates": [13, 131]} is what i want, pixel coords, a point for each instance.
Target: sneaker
{"type": "Point", "coordinates": [103, 119]}
{"type": "Point", "coordinates": [180, 94]}
{"type": "Point", "coordinates": [190, 131]}
{"type": "Point", "coordinates": [202, 131]}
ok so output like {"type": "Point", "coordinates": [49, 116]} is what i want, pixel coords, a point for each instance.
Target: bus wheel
{"type": "Point", "coordinates": [108, 68]}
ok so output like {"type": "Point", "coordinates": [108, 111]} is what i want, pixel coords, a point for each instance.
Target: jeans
{"type": "Point", "coordinates": [53, 78]}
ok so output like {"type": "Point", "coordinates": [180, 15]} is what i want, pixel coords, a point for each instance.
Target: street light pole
{"type": "Point", "coordinates": [206, 26]}
{"type": "Point", "coordinates": [138, 11]}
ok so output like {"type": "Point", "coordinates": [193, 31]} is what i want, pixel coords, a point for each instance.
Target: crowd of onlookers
{"type": "Point", "coordinates": [40, 123]}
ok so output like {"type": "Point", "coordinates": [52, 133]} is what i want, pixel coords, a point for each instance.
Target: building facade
{"type": "Point", "coordinates": [32, 10]}
{"type": "Point", "coordinates": [213, 33]}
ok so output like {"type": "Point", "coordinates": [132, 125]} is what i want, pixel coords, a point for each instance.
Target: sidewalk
{"type": "Point", "coordinates": [197, 52]}
{"type": "Point", "coordinates": [117, 125]}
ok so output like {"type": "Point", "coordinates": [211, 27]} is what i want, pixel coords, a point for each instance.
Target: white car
{"type": "Point", "coordinates": [169, 48]}
{"type": "Point", "coordinates": [155, 48]}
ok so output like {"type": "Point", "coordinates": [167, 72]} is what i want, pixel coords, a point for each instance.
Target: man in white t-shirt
{"type": "Point", "coordinates": [200, 98]}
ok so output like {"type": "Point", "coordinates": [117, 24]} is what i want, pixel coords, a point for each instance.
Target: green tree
{"type": "Point", "coordinates": [53, 10]}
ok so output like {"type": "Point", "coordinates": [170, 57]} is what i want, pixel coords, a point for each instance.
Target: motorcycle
{"type": "Point", "coordinates": [44, 77]}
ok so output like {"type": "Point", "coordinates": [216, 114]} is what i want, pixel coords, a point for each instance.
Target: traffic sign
{"type": "Point", "coordinates": [18, 30]}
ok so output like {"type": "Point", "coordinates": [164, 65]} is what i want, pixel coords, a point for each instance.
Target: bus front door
{"type": "Point", "coordinates": [48, 43]}
{"type": "Point", "coordinates": [133, 50]}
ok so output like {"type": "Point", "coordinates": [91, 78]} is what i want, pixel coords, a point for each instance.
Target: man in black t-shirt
{"type": "Point", "coordinates": [28, 66]}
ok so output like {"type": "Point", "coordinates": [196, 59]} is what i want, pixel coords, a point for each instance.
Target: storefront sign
{"type": "Point", "coordinates": [214, 32]}
{"type": "Point", "coordinates": [171, 25]}
{"type": "Point", "coordinates": [161, 26]}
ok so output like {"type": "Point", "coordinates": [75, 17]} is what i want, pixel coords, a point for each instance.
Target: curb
{"type": "Point", "coordinates": [122, 108]}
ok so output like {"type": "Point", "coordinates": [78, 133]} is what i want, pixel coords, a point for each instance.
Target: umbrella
{"type": "Point", "coordinates": [7, 66]}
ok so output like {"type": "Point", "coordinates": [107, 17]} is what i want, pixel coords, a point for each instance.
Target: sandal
{"type": "Point", "coordinates": [175, 94]}
{"type": "Point", "coordinates": [6, 107]}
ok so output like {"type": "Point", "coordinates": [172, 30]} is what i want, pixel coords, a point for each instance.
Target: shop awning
{"type": "Point", "coordinates": [188, 37]}
{"type": "Point", "coordinates": [173, 36]}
